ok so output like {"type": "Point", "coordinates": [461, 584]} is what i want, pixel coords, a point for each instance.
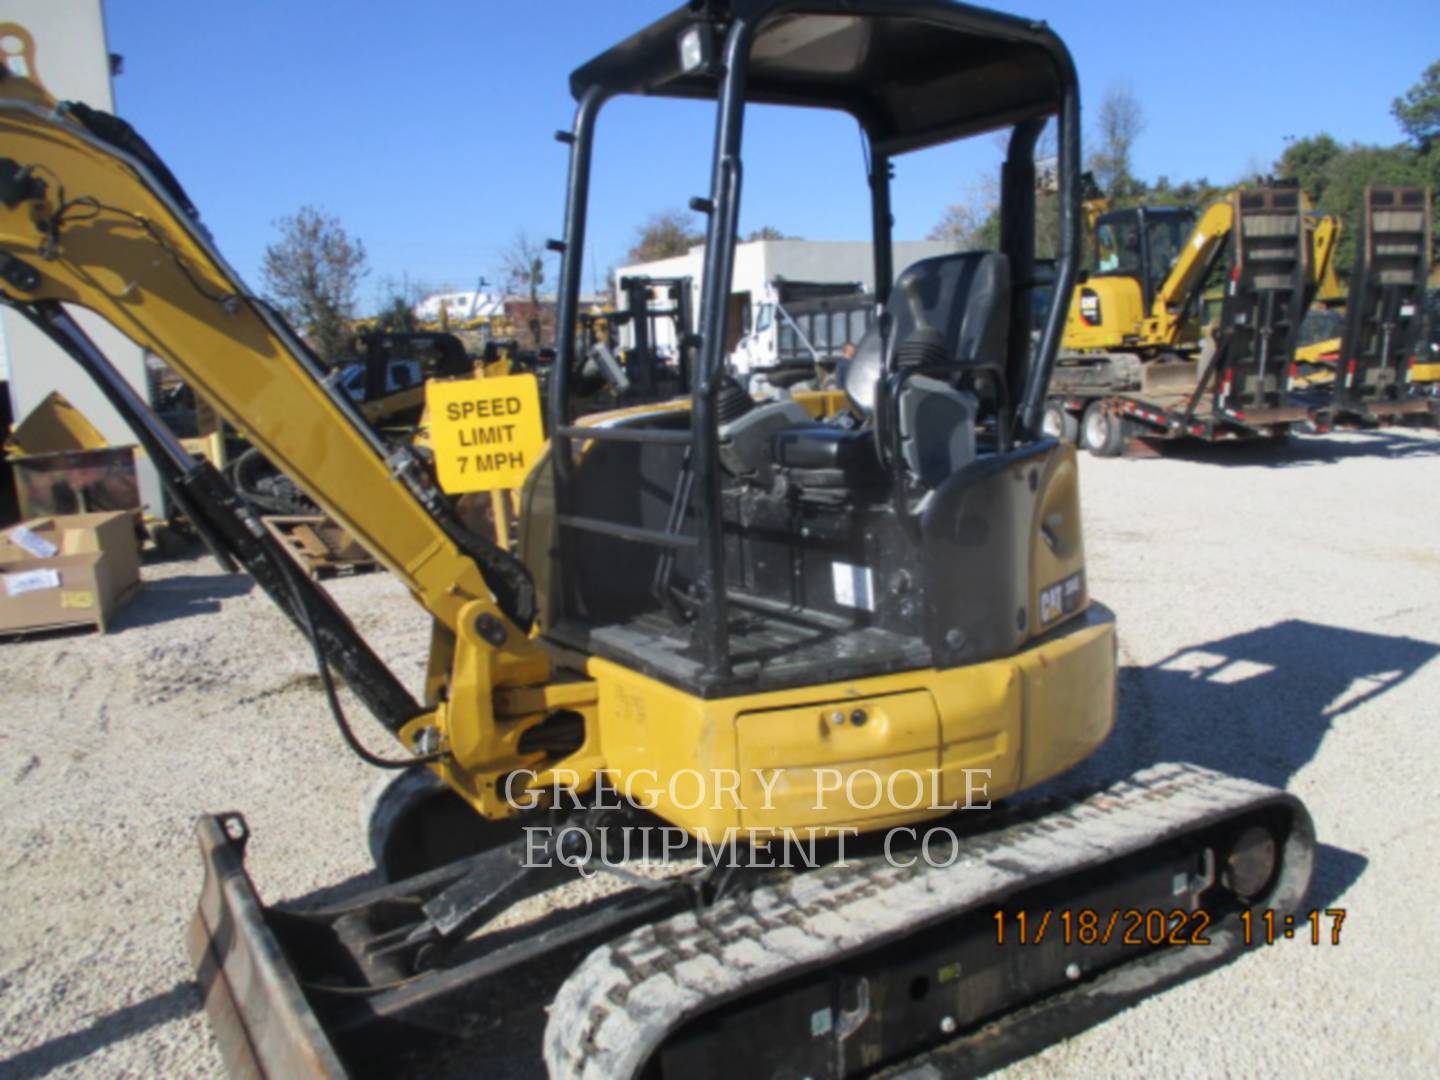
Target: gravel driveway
{"type": "Point", "coordinates": [1278, 620]}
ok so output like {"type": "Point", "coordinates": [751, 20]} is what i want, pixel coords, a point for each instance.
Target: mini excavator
{"type": "Point", "coordinates": [818, 596]}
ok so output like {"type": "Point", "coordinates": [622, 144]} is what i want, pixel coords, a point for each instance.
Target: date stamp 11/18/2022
{"type": "Point", "coordinates": [1151, 927]}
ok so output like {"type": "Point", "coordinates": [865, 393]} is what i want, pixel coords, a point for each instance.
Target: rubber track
{"type": "Point", "coordinates": [620, 1003]}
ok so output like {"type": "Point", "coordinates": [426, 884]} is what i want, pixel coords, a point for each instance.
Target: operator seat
{"type": "Point", "coordinates": [948, 340]}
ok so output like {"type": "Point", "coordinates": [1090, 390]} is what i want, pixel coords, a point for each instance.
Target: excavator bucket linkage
{"type": "Point", "coordinates": [1011, 935]}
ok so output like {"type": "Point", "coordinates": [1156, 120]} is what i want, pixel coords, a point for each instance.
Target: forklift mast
{"type": "Point", "coordinates": [643, 315]}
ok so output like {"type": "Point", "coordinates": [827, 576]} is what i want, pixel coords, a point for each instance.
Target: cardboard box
{"type": "Point", "coordinates": [94, 569]}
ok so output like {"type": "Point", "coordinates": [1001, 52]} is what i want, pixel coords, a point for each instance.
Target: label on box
{"type": "Point", "coordinates": [28, 581]}
{"type": "Point", "coordinates": [80, 598]}
{"type": "Point", "coordinates": [38, 546]}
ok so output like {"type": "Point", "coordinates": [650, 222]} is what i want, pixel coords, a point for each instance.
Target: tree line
{"type": "Point", "coordinates": [1333, 174]}
{"type": "Point", "coordinates": [312, 272]}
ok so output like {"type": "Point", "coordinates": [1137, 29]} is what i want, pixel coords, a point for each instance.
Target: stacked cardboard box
{"type": "Point", "coordinates": [68, 570]}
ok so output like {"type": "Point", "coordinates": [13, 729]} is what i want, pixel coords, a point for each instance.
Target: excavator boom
{"type": "Point", "coordinates": [87, 222]}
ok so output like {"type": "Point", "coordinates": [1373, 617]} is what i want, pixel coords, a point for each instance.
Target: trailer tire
{"type": "Point", "coordinates": [1060, 423]}
{"type": "Point", "coordinates": [413, 823]}
{"type": "Point", "coordinates": [1102, 431]}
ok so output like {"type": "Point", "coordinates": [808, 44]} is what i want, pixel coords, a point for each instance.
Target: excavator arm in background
{"type": "Point", "coordinates": [1323, 232]}
{"type": "Point", "coordinates": [1188, 272]}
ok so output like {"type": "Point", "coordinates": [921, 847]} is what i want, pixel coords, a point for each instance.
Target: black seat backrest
{"type": "Point", "coordinates": [963, 298]}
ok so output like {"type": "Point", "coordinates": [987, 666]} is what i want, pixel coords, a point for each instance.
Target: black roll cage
{"type": "Point", "coordinates": [641, 65]}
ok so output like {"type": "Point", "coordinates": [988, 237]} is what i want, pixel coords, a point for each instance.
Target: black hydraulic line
{"type": "Point", "coordinates": [297, 582]}
{"type": "Point", "coordinates": [214, 506]}
{"type": "Point", "coordinates": [252, 461]}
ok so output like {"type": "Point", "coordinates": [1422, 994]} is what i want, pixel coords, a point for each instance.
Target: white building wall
{"type": "Point", "coordinates": [762, 261]}
{"type": "Point", "coordinates": [462, 305]}
{"type": "Point", "coordinates": [72, 60]}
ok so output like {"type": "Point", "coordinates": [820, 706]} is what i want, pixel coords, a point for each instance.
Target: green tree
{"type": "Point", "coordinates": [1119, 125]}
{"type": "Point", "coordinates": [311, 274]}
{"type": "Point", "coordinates": [1335, 178]}
{"type": "Point", "coordinates": [974, 224]}
{"type": "Point", "coordinates": [397, 316]}
{"type": "Point", "coordinates": [1417, 111]}
{"type": "Point", "coordinates": [665, 235]}
{"type": "Point", "coordinates": [396, 299]}
{"type": "Point", "coordinates": [1308, 161]}
{"type": "Point", "coordinates": [968, 226]}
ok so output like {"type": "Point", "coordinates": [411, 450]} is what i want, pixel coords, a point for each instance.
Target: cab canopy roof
{"type": "Point", "coordinates": [913, 72]}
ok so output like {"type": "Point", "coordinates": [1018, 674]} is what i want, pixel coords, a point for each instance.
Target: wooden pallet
{"type": "Point", "coordinates": [319, 545]}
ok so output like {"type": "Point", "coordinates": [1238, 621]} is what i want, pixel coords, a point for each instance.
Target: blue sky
{"type": "Point", "coordinates": [427, 128]}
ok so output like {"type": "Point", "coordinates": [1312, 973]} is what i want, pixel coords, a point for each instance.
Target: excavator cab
{"type": "Point", "coordinates": [1142, 243]}
{"type": "Point", "coordinates": [733, 546]}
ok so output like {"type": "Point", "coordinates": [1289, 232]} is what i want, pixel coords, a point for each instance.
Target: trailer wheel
{"type": "Point", "coordinates": [414, 823]}
{"type": "Point", "coordinates": [1059, 423]}
{"type": "Point", "coordinates": [1103, 432]}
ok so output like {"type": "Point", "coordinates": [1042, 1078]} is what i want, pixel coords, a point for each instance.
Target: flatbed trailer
{"type": "Point", "coordinates": [1122, 416]}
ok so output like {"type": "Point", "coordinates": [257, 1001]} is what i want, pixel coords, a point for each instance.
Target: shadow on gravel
{"type": "Point", "coordinates": [180, 1000]}
{"type": "Point", "coordinates": [179, 597]}
{"type": "Point", "coordinates": [1256, 704]}
{"type": "Point", "coordinates": [1335, 871]}
{"type": "Point", "coordinates": [1297, 451]}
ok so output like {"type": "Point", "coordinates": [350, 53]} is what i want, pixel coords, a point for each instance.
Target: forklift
{"type": "Point", "coordinates": [609, 374]}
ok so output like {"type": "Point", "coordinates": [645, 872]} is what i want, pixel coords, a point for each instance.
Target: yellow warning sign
{"type": "Point", "coordinates": [486, 433]}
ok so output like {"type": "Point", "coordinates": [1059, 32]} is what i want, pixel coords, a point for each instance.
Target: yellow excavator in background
{"type": "Point", "coordinates": [1152, 262]}
{"type": "Point", "coordinates": [842, 616]}
{"type": "Point", "coordinates": [1140, 353]}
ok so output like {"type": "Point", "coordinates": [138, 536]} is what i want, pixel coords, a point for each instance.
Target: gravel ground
{"type": "Point", "coordinates": [1277, 613]}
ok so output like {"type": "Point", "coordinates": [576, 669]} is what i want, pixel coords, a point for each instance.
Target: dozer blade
{"type": "Point", "coordinates": [846, 969]}
{"type": "Point", "coordinates": [258, 1012]}
{"type": "Point", "coordinates": [851, 967]}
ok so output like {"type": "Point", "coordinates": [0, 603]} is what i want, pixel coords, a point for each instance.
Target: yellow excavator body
{"type": "Point", "coordinates": [1022, 718]}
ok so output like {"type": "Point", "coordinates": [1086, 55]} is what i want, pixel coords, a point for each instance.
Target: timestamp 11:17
{"type": "Point", "coordinates": [1265, 927]}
